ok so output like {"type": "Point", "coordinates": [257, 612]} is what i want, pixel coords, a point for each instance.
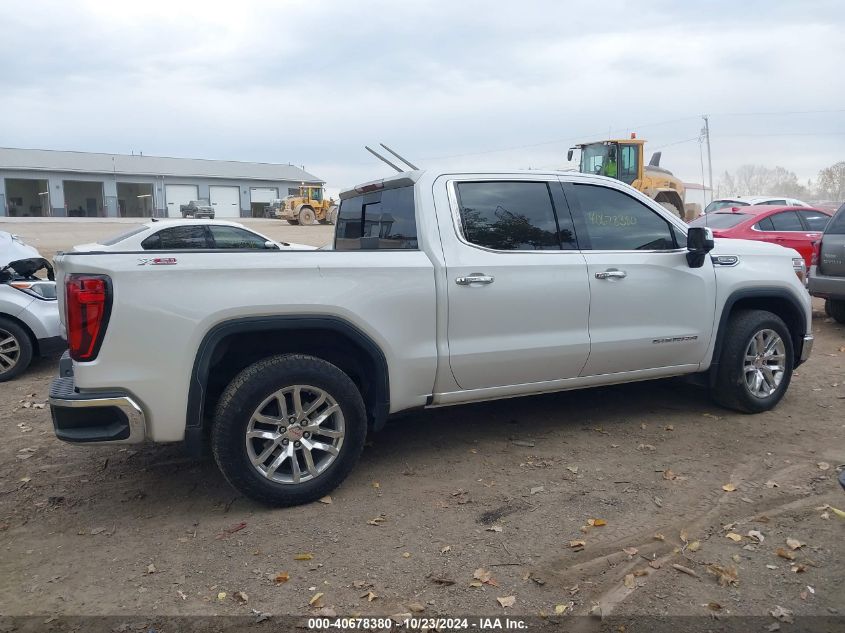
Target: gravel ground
{"type": "Point", "coordinates": [449, 510]}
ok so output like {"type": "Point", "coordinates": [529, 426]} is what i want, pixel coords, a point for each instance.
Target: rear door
{"type": "Point", "coordinates": [518, 296]}
{"type": "Point", "coordinates": [832, 251]}
{"type": "Point", "coordinates": [648, 308]}
{"type": "Point", "coordinates": [786, 229]}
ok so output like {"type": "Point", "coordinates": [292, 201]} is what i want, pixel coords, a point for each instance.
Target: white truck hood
{"type": "Point", "coordinates": [730, 246]}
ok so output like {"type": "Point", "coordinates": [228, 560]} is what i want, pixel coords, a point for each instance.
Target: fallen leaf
{"type": "Point", "coordinates": [376, 485]}
{"type": "Point", "coordinates": [736, 538]}
{"type": "Point", "coordinates": [798, 568]}
{"type": "Point", "coordinates": [359, 584]}
{"type": "Point", "coordinates": [406, 554]}
{"type": "Point", "coordinates": [326, 612]}
{"type": "Point", "coordinates": [572, 469]}
{"type": "Point", "coordinates": [597, 522]}
{"type": "Point", "coordinates": [370, 596]}
{"type": "Point", "coordinates": [654, 564]}
{"type": "Point", "coordinates": [658, 502]}
{"type": "Point", "coordinates": [315, 599]}
{"type": "Point", "coordinates": [669, 427]}
{"type": "Point", "coordinates": [728, 487]}
{"type": "Point", "coordinates": [725, 575]}
{"type": "Point", "coordinates": [771, 566]}
{"type": "Point", "coordinates": [783, 553]}
{"type": "Point", "coordinates": [506, 601]}
{"type": "Point", "coordinates": [715, 606]}
{"type": "Point", "coordinates": [794, 544]}
{"type": "Point", "coordinates": [241, 597]}
{"type": "Point", "coordinates": [416, 607]}
{"type": "Point", "coordinates": [646, 447]}
{"type": "Point", "coordinates": [694, 546]}
{"type": "Point", "coordinates": [823, 466]}
{"type": "Point", "coordinates": [494, 528]}
{"type": "Point", "coordinates": [231, 530]}
{"type": "Point", "coordinates": [772, 484]}
{"type": "Point", "coordinates": [446, 548]}
{"type": "Point", "coordinates": [756, 534]}
{"type": "Point", "coordinates": [684, 536]}
{"type": "Point", "coordinates": [327, 499]}
{"type": "Point", "coordinates": [630, 582]}
{"type": "Point", "coordinates": [631, 551]}
{"type": "Point", "coordinates": [151, 569]}
{"type": "Point", "coordinates": [181, 594]}
{"type": "Point", "coordinates": [837, 512]}
{"type": "Point", "coordinates": [577, 543]}
{"type": "Point", "coordinates": [560, 609]}
{"type": "Point", "coordinates": [305, 556]}
{"type": "Point", "coordinates": [659, 537]}
{"type": "Point", "coordinates": [669, 475]}
{"type": "Point", "coordinates": [221, 596]}
{"type": "Point", "coordinates": [779, 613]}
{"type": "Point", "coordinates": [640, 572]}
{"type": "Point", "coordinates": [281, 578]}
{"type": "Point", "coordinates": [483, 575]}
{"type": "Point", "coordinates": [537, 489]}
{"type": "Point", "coordinates": [474, 583]}
{"type": "Point", "coordinates": [378, 520]}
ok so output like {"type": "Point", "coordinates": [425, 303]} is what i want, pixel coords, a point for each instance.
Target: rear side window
{"type": "Point", "coordinates": [814, 220]}
{"type": "Point", "coordinates": [177, 238]}
{"type": "Point", "coordinates": [772, 202]}
{"type": "Point", "coordinates": [765, 225]}
{"type": "Point", "coordinates": [512, 216]}
{"type": "Point", "coordinates": [122, 236]}
{"type": "Point", "coordinates": [615, 221]}
{"type": "Point", "coordinates": [837, 223]}
{"type": "Point", "coordinates": [233, 237]}
{"type": "Point", "coordinates": [381, 220]}
{"type": "Point", "coordinates": [786, 221]}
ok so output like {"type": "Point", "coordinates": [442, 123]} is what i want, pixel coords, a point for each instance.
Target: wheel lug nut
{"type": "Point", "coordinates": [285, 441]}
{"type": "Point", "coordinates": [291, 419]}
{"type": "Point", "coordinates": [282, 429]}
{"type": "Point", "coordinates": [306, 435]}
{"type": "Point", "coordinates": [297, 444]}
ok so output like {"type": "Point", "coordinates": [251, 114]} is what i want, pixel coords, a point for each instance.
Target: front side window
{"type": "Point", "coordinates": [814, 220]}
{"type": "Point", "coordinates": [177, 238]}
{"type": "Point", "coordinates": [380, 220]}
{"type": "Point", "coordinates": [511, 216]}
{"type": "Point", "coordinates": [233, 237]}
{"type": "Point", "coordinates": [614, 221]}
{"type": "Point", "coordinates": [786, 221]}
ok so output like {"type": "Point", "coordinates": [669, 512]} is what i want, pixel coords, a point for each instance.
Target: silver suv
{"type": "Point", "coordinates": [29, 312]}
{"type": "Point", "coordinates": [827, 276]}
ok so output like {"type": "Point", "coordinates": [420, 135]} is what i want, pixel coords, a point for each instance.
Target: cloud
{"type": "Point", "coordinates": [312, 82]}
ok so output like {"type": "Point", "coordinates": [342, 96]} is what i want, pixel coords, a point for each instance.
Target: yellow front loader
{"type": "Point", "coordinates": [305, 207]}
{"type": "Point", "coordinates": [623, 159]}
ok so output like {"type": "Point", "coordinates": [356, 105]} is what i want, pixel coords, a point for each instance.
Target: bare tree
{"type": "Point", "coordinates": [831, 182]}
{"type": "Point", "coordinates": [759, 180]}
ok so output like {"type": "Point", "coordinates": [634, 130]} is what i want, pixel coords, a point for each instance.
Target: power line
{"type": "Point", "coordinates": [777, 113]}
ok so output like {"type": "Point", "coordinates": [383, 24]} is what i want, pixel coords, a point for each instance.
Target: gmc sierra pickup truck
{"type": "Point", "coordinates": [441, 289]}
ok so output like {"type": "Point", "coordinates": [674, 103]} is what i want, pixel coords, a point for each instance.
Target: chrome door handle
{"type": "Point", "coordinates": [612, 274]}
{"type": "Point", "coordinates": [475, 278]}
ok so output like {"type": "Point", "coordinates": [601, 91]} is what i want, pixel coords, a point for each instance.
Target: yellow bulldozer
{"type": "Point", "coordinates": [623, 159]}
{"type": "Point", "coordinates": [305, 206]}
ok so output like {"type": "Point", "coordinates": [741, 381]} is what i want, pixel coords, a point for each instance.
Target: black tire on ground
{"type": "Point", "coordinates": [730, 389]}
{"type": "Point", "coordinates": [671, 207]}
{"type": "Point", "coordinates": [836, 309]}
{"type": "Point", "coordinates": [294, 222]}
{"type": "Point", "coordinates": [307, 217]}
{"type": "Point", "coordinates": [246, 393]}
{"type": "Point", "coordinates": [15, 349]}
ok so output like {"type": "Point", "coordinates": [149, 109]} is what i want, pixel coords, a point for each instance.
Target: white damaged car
{"type": "Point", "coordinates": [29, 312]}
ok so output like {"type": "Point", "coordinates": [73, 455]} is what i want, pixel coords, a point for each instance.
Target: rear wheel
{"type": "Point", "coordinates": [289, 429]}
{"type": "Point", "coordinates": [307, 216]}
{"type": "Point", "coordinates": [836, 309]}
{"type": "Point", "coordinates": [755, 366]}
{"type": "Point", "coordinates": [294, 222]}
{"type": "Point", "coordinates": [671, 207]}
{"type": "Point", "coordinates": [15, 349]}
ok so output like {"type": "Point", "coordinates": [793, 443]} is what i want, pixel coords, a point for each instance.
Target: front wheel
{"type": "Point", "coordinates": [755, 366]}
{"type": "Point", "coordinates": [835, 309]}
{"type": "Point", "coordinates": [288, 429]}
{"type": "Point", "coordinates": [307, 216]}
{"type": "Point", "coordinates": [15, 350]}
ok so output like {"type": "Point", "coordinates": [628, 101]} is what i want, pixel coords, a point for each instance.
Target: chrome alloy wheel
{"type": "Point", "coordinates": [10, 351]}
{"type": "Point", "coordinates": [295, 434]}
{"type": "Point", "coordinates": [765, 363]}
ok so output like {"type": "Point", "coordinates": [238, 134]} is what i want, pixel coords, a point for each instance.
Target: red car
{"type": "Point", "coordinates": [794, 227]}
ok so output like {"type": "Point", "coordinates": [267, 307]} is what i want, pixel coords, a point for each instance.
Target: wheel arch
{"type": "Point", "coordinates": [779, 301]}
{"type": "Point", "coordinates": [22, 324]}
{"type": "Point", "coordinates": [235, 344]}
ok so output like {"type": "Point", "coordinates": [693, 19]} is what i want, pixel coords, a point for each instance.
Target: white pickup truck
{"type": "Point", "coordinates": [441, 289]}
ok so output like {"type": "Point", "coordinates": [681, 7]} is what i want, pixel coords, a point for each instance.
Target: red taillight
{"type": "Point", "coordinates": [87, 309]}
{"type": "Point", "coordinates": [817, 247]}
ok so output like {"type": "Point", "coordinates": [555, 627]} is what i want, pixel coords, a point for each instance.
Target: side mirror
{"type": "Point", "coordinates": [271, 245]}
{"type": "Point", "coordinates": [569, 154]}
{"type": "Point", "coordinates": [699, 243]}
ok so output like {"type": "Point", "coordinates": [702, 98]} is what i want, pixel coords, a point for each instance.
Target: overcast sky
{"type": "Point", "coordinates": [450, 84]}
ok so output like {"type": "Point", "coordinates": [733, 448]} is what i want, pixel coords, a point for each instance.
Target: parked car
{"type": "Point", "coordinates": [794, 227]}
{"type": "Point", "coordinates": [745, 201]}
{"type": "Point", "coordinates": [197, 209]}
{"type": "Point", "coordinates": [827, 275]}
{"type": "Point", "coordinates": [29, 314]}
{"type": "Point", "coordinates": [443, 288]}
{"type": "Point", "coordinates": [196, 234]}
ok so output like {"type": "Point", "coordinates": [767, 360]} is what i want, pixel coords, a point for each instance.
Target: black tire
{"type": "Point", "coordinates": [248, 390]}
{"type": "Point", "coordinates": [23, 348]}
{"type": "Point", "coordinates": [730, 389]}
{"type": "Point", "coordinates": [307, 217]}
{"type": "Point", "coordinates": [836, 309]}
{"type": "Point", "coordinates": [294, 222]}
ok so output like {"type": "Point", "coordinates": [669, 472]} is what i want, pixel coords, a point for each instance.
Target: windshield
{"type": "Point", "coordinates": [593, 157]}
{"type": "Point", "coordinates": [720, 220]}
{"type": "Point", "coordinates": [722, 204]}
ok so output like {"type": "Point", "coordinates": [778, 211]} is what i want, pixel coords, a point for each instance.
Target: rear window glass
{"type": "Point", "coordinates": [380, 220]}
{"type": "Point", "coordinates": [837, 225]}
{"type": "Point", "coordinates": [720, 220]}
{"type": "Point", "coordinates": [815, 220]}
{"type": "Point", "coordinates": [122, 236]}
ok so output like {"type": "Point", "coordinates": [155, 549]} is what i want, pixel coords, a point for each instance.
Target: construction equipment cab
{"type": "Point", "coordinates": [623, 159]}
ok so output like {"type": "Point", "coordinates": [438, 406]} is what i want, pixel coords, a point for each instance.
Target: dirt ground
{"type": "Point", "coordinates": [442, 500]}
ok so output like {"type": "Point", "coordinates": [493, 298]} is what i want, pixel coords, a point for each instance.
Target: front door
{"type": "Point", "coordinates": [518, 295]}
{"type": "Point", "coordinates": [648, 308]}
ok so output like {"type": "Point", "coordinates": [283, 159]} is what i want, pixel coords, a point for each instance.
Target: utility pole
{"type": "Point", "coordinates": [709, 157]}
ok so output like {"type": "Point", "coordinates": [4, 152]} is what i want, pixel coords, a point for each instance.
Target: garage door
{"type": "Point", "coordinates": [177, 195]}
{"type": "Point", "coordinates": [226, 201]}
{"type": "Point", "coordinates": [263, 194]}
